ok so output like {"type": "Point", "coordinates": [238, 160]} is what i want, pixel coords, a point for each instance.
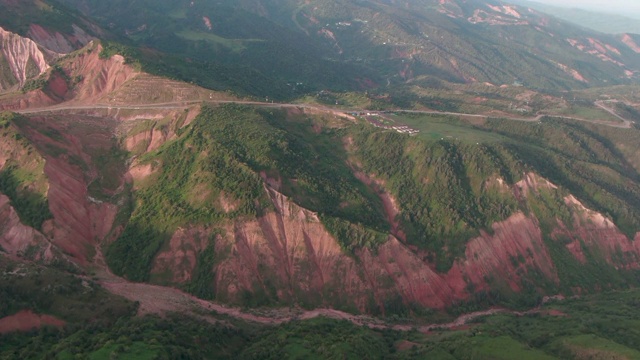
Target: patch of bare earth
{"type": "Point", "coordinates": [554, 312]}
{"type": "Point", "coordinates": [140, 172]}
{"type": "Point", "coordinates": [26, 320]}
{"type": "Point", "coordinates": [404, 345]}
{"type": "Point", "coordinates": [161, 300]}
{"type": "Point", "coordinates": [228, 203]}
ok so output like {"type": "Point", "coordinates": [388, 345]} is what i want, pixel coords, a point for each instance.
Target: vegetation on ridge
{"type": "Point", "coordinates": [221, 154]}
{"type": "Point", "coordinates": [22, 177]}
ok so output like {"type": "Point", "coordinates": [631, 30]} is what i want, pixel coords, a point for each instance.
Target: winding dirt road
{"type": "Point", "coordinates": [626, 124]}
{"type": "Point", "coordinates": [156, 299]}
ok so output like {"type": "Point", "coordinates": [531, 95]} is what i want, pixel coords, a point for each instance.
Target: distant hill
{"type": "Point", "coordinates": [603, 22]}
{"type": "Point", "coordinates": [299, 46]}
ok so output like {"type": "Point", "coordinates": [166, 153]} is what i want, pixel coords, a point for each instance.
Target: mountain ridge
{"type": "Point", "coordinates": [414, 39]}
{"type": "Point", "coordinates": [611, 23]}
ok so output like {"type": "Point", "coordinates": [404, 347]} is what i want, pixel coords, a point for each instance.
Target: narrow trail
{"type": "Point", "coordinates": [626, 124]}
{"type": "Point", "coordinates": [601, 105]}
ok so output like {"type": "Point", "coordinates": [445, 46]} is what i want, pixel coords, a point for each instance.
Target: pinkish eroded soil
{"type": "Point", "coordinates": [26, 320]}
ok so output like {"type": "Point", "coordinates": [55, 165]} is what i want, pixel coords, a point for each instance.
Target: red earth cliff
{"type": "Point", "coordinates": [24, 58]}
{"type": "Point", "coordinates": [290, 250]}
{"type": "Point", "coordinates": [288, 254]}
{"type": "Point", "coordinates": [79, 220]}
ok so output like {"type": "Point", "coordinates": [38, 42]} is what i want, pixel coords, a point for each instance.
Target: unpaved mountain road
{"type": "Point", "coordinates": [155, 299]}
{"type": "Point", "coordinates": [601, 105]}
{"type": "Point", "coordinates": [626, 124]}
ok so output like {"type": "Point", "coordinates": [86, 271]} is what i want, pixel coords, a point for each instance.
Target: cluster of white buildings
{"type": "Point", "coordinates": [405, 130]}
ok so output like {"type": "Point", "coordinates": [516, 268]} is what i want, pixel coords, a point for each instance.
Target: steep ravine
{"type": "Point", "coordinates": [69, 144]}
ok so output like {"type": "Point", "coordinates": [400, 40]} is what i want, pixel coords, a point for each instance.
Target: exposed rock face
{"type": "Point", "coordinates": [495, 256]}
{"type": "Point", "coordinates": [593, 231]}
{"type": "Point", "coordinates": [289, 254]}
{"type": "Point", "coordinates": [630, 42]}
{"type": "Point", "coordinates": [23, 57]}
{"type": "Point", "coordinates": [99, 76]}
{"type": "Point", "coordinates": [79, 221]}
{"type": "Point", "coordinates": [146, 141]}
{"type": "Point", "coordinates": [161, 128]}
{"type": "Point", "coordinates": [92, 79]}
{"type": "Point", "coordinates": [531, 183]}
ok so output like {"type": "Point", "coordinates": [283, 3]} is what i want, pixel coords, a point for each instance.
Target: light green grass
{"type": "Point", "coordinates": [297, 351]}
{"type": "Point", "coordinates": [233, 44]}
{"type": "Point", "coordinates": [435, 127]}
{"type": "Point", "coordinates": [179, 13]}
{"type": "Point", "coordinates": [594, 347]}
{"type": "Point", "coordinates": [588, 113]}
{"type": "Point", "coordinates": [504, 347]}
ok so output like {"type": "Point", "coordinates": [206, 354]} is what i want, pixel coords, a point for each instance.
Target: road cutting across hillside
{"type": "Point", "coordinates": [626, 124]}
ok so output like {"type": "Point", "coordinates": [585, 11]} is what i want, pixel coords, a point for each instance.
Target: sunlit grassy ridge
{"type": "Point", "coordinates": [22, 176]}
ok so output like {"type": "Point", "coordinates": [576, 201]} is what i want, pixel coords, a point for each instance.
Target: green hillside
{"type": "Point", "coordinates": [450, 187]}
{"type": "Point", "coordinates": [406, 179]}
{"type": "Point", "coordinates": [22, 176]}
{"type": "Point", "coordinates": [298, 48]}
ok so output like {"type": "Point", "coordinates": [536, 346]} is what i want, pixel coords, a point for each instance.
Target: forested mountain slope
{"type": "Point", "coordinates": [365, 44]}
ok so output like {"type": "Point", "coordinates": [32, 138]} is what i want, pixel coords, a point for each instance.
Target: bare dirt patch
{"type": "Point", "coordinates": [228, 203]}
{"type": "Point", "coordinates": [27, 320]}
{"type": "Point", "coordinates": [404, 345]}
{"type": "Point", "coordinates": [140, 172]}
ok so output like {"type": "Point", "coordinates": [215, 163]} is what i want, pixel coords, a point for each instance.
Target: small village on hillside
{"type": "Point", "coordinates": [378, 120]}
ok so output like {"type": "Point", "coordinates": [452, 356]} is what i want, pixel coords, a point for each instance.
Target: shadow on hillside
{"type": "Point", "coordinates": [32, 208]}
